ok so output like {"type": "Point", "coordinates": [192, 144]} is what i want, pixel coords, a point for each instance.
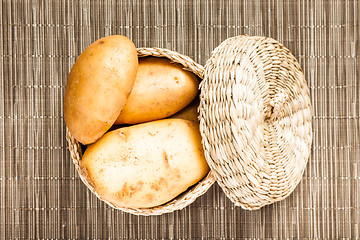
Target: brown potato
{"type": "Point", "coordinates": [161, 89]}
{"type": "Point", "coordinates": [189, 112]}
{"type": "Point", "coordinates": [98, 86]}
{"type": "Point", "coordinates": [146, 165]}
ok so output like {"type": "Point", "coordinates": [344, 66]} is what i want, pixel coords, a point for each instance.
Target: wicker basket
{"type": "Point", "coordinates": [255, 122]}
{"type": "Point", "coordinates": [185, 198]}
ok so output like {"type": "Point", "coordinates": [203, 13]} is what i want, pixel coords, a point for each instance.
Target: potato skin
{"type": "Point", "coordinates": [146, 165]}
{"type": "Point", "coordinates": [161, 89]}
{"type": "Point", "coordinates": [189, 112]}
{"type": "Point", "coordinates": [98, 86]}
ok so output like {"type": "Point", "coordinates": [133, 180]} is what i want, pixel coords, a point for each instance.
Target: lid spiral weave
{"type": "Point", "coordinates": [255, 120]}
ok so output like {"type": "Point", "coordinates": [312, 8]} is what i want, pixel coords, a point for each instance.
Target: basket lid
{"type": "Point", "coordinates": [255, 120]}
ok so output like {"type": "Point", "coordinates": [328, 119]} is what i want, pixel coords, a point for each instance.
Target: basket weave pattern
{"type": "Point", "coordinates": [255, 120]}
{"type": "Point", "coordinates": [183, 199]}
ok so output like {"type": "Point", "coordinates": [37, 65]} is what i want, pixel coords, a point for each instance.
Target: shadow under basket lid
{"type": "Point", "coordinates": [255, 120]}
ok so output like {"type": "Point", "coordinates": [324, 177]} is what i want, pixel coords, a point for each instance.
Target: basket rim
{"type": "Point", "coordinates": [184, 199]}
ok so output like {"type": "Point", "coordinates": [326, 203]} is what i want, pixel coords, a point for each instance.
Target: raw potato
{"type": "Point", "coordinates": [98, 86]}
{"type": "Point", "coordinates": [146, 165]}
{"type": "Point", "coordinates": [189, 112]}
{"type": "Point", "coordinates": [161, 89]}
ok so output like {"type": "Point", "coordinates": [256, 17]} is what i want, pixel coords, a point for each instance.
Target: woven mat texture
{"type": "Point", "coordinates": [41, 195]}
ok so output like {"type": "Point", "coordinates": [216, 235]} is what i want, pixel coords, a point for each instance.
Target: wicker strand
{"type": "Point", "coordinates": [175, 57]}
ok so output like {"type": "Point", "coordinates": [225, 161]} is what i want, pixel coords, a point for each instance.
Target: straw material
{"type": "Point", "coordinates": [183, 199]}
{"type": "Point", "coordinates": [255, 120]}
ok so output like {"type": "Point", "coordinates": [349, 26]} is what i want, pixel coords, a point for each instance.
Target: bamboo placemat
{"type": "Point", "coordinates": [41, 196]}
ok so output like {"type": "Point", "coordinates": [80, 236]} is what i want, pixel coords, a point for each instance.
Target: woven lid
{"type": "Point", "coordinates": [255, 120]}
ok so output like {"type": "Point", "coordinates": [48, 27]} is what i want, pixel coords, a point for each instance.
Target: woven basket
{"type": "Point", "coordinates": [185, 198]}
{"type": "Point", "coordinates": [255, 122]}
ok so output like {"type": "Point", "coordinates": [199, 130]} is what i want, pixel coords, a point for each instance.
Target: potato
{"type": "Point", "coordinates": [146, 165]}
{"type": "Point", "coordinates": [189, 112]}
{"type": "Point", "coordinates": [161, 89]}
{"type": "Point", "coordinates": [98, 86]}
